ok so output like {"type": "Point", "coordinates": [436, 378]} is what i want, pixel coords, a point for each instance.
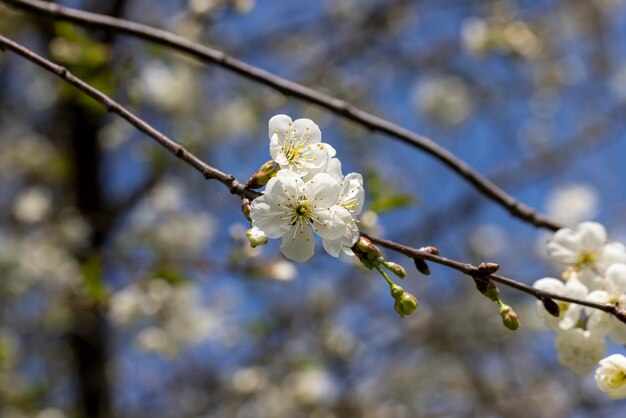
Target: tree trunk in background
{"type": "Point", "coordinates": [88, 338]}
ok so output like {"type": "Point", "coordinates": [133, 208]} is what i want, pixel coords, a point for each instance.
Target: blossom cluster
{"type": "Point", "coordinates": [595, 271]}
{"type": "Point", "coordinates": [307, 193]}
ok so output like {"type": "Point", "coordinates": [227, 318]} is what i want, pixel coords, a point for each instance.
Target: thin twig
{"type": "Point", "coordinates": [473, 271]}
{"type": "Point", "coordinates": [112, 106]}
{"type": "Point", "coordinates": [237, 188]}
{"type": "Point", "coordinates": [290, 88]}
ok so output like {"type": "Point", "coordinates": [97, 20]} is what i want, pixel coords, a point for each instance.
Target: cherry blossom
{"type": "Point", "coordinates": [296, 145]}
{"type": "Point", "coordinates": [351, 198]}
{"type": "Point", "coordinates": [292, 209]}
{"type": "Point", "coordinates": [579, 350]}
{"type": "Point", "coordinates": [569, 313]}
{"type": "Point", "coordinates": [611, 376]}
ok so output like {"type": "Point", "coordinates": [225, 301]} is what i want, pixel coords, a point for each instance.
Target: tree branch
{"type": "Point", "coordinates": [112, 106]}
{"type": "Point", "coordinates": [237, 188]}
{"type": "Point", "coordinates": [340, 107]}
{"type": "Point", "coordinates": [474, 271]}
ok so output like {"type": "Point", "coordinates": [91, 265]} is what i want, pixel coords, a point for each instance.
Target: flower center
{"type": "Point", "coordinates": [586, 259]}
{"type": "Point", "coordinates": [616, 380]}
{"type": "Point", "coordinates": [303, 209]}
{"type": "Point", "coordinates": [301, 212]}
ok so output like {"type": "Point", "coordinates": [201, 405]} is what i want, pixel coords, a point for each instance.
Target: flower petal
{"type": "Point", "coordinates": [281, 125]}
{"type": "Point", "coordinates": [352, 193]}
{"type": "Point", "coordinates": [344, 243]}
{"type": "Point", "coordinates": [593, 235]}
{"type": "Point", "coordinates": [268, 217]}
{"type": "Point", "coordinates": [564, 246]}
{"type": "Point", "coordinates": [285, 187]}
{"type": "Point", "coordinates": [307, 130]}
{"type": "Point", "coordinates": [298, 243]}
{"type": "Point", "coordinates": [331, 151]}
{"type": "Point", "coordinates": [331, 223]}
{"type": "Point", "coordinates": [322, 191]}
{"type": "Point", "coordinates": [276, 149]}
{"type": "Point", "coordinates": [616, 279]}
{"type": "Point", "coordinates": [611, 253]}
{"type": "Point", "coordinates": [334, 169]}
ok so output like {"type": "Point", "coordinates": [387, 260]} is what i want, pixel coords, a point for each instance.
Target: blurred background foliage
{"type": "Point", "coordinates": [128, 289]}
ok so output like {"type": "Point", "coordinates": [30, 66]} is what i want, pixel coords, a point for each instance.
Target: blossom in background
{"type": "Point", "coordinates": [611, 376]}
{"type": "Point", "coordinates": [579, 350]}
{"type": "Point", "coordinates": [351, 198]}
{"type": "Point", "coordinates": [569, 313]}
{"type": "Point", "coordinates": [297, 146]}
{"type": "Point", "coordinates": [585, 250]}
{"type": "Point", "coordinates": [293, 209]}
{"type": "Point", "coordinates": [603, 323]}
{"type": "Point", "coordinates": [177, 315]}
{"type": "Point", "coordinates": [572, 203]}
{"type": "Point", "coordinates": [595, 272]}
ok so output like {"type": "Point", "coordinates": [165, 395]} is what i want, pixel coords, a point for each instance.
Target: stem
{"type": "Point", "coordinates": [385, 275]}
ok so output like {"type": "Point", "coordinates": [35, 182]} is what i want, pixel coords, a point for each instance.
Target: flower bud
{"type": "Point", "coordinates": [487, 288]}
{"type": "Point", "coordinates": [551, 306]}
{"type": "Point", "coordinates": [263, 175]}
{"type": "Point", "coordinates": [396, 291]}
{"type": "Point", "coordinates": [396, 269]}
{"type": "Point", "coordinates": [421, 266]}
{"type": "Point", "coordinates": [510, 319]}
{"type": "Point", "coordinates": [245, 208]}
{"type": "Point", "coordinates": [367, 253]}
{"type": "Point", "coordinates": [406, 304]}
{"type": "Point", "coordinates": [256, 237]}
{"type": "Point", "coordinates": [430, 249]}
{"type": "Point", "coordinates": [488, 268]}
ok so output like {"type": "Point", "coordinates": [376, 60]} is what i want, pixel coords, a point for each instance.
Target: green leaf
{"type": "Point", "coordinates": [382, 195]}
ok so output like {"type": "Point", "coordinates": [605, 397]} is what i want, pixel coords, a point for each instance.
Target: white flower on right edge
{"type": "Point", "coordinates": [586, 250]}
{"type": "Point", "coordinates": [293, 209]}
{"type": "Point", "coordinates": [579, 350]}
{"type": "Point", "coordinates": [296, 145]}
{"type": "Point", "coordinates": [351, 198]}
{"type": "Point", "coordinates": [603, 323]}
{"type": "Point", "coordinates": [611, 376]}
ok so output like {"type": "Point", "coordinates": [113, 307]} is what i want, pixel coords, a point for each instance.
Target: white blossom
{"type": "Point", "coordinates": [32, 205]}
{"type": "Point", "coordinates": [297, 146]}
{"type": "Point", "coordinates": [569, 313]}
{"type": "Point", "coordinates": [586, 250]}
{"type": "Point", "coordinates": [256, 237]}
{"type": "Point", "coordinates": [611, 376]}
{"type": "Point", "coordinates": [445, 99]}
{"type": "Point", "coordinates": [351, 198]}
{"type": "Point", "coordinates": [579, 350]}
{"type": "Point", "coordinates": [293, 209]}
{"type": "Point", "coordinates": [572, 203]}
{"type": "Point", "coordinates": [615, 284]}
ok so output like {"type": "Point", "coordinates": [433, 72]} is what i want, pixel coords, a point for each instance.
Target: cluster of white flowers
{"type": "Point", "coordinates": [308, 194]}
{"type": "Point", "coordinates": [174, 312]}
{"type": "Point", "coordinates": [595, 271]}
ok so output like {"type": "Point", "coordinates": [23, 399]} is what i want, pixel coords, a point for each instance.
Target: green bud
{"type": "Point", "coordinates": [406, 304]}
{"type": "Point", "coordinates": [396, 291]}
{"type": "Point", "coordinates": [510, 319]}
{"type": "Point", "coordinates": [487, 288]}
{"type": "Point", "coordinates": [245, 208]}
{"type": "Point", "coordinates": [395, 268]}
{"type": "Point", "coordinates": [367, 253]}
{"type": "Point", "coordinates": [263, 175]}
